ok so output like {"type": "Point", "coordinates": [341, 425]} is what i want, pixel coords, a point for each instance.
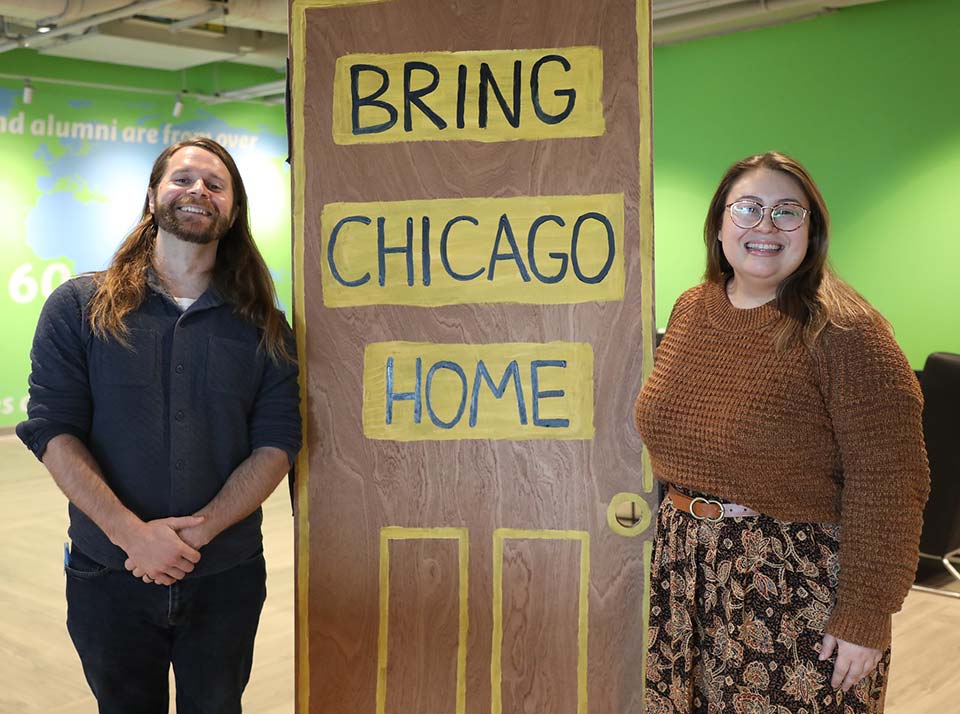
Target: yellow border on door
{"type": "Point", "coordinates": [387, 534]}
{"type": "Point", "coordinates": [647, 295]}
{"type": "Point", "coordinates": [297, 79]}
{"type": "Point", "coordinates": [496, 674]}
{"type": "Point", "coordinates": [298, 21]}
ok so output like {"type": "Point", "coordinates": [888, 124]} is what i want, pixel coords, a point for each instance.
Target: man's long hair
{"type": "Point", "coordinates": [813, 296]}
{"type": "Point", "coordinates": [239, 273]}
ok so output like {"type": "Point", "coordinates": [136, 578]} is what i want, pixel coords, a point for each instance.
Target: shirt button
{"type": "Point", "coordinates": [179, 369]}
{"type": "Point", "coordinates": [179, 464]}
{"type": "Point", "coordinates": [179, 416]}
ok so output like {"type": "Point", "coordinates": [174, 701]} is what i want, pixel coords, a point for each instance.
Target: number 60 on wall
{"type": "Point", "coordinates": [23, 287]}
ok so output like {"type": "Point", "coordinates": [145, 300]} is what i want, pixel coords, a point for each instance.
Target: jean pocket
{"type": "Point", "coordinates": [82, 566]}
{"type": "Point", "coordinates": [254, 558]}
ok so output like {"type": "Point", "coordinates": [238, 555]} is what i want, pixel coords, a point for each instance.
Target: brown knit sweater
{"type": "Point", "coordinates": [832, 434]}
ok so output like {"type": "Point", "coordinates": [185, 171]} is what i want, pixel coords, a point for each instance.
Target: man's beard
{"type": "Point", "coordinates": [181, 225]}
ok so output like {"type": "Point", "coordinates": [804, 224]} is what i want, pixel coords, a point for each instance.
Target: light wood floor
{"type": "Point", "coordinates": [40, 672]}
{"type": "Point", "coordinates": [39, 669]}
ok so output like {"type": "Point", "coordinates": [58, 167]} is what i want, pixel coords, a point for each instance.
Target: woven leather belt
{"type": "Point", "coordinates": [705, 509]}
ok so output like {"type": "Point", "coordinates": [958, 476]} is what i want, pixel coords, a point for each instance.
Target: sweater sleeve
{"type": "Point", "coordinates": [875, 405]}
{"type": "Point", "coordinates": [683, 304]}
{"type": "Point", "coordinates": [687, 301]}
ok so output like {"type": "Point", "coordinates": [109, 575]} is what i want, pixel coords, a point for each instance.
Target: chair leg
{"type": "Point", "coordinates": [949, 561]}
{"type": "Point", "coordinates": [951, 558]}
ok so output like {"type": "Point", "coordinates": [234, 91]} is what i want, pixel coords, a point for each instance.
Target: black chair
{"type": "Point", "coordinates": [940, 538]}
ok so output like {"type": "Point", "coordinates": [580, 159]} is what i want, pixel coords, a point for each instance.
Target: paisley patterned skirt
{"type": "Point", "coordinates": [737, 611]}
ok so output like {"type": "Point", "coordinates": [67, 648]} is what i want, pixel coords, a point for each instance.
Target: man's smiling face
{"type": "Point", "coordinates": [193, 200]}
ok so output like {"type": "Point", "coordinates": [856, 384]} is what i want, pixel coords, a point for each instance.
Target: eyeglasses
{"type": "Point", "coordinates": [785, 216]}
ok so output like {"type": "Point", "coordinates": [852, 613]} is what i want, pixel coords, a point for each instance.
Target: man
{"type": "Point", "coordinates": [164, 402]}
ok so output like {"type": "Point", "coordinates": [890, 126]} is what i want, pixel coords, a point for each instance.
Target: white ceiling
{"type": "Point", "coordinates": [177, 34]}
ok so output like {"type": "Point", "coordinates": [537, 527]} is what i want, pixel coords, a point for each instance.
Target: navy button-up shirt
{"type": "Point", "coordinates": [169, 417]}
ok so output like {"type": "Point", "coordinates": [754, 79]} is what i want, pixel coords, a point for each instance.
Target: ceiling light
{"type": "Point", "coordinates": [27, 92]}
{"type": "Point", "coordinates": [187, 23]}
{"type": "Point", "coordinates": [178, 106]}
{"type": "Point", "coordinates": [46, 27]}
{"type": "Point", "coordinates": [268, 89]}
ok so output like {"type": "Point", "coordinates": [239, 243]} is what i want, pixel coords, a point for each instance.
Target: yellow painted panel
{"type": "Point", "coordinates": [298, 23]}
{"type": "Point", "coordinates": [525, 249]}
{"type": "Point", "coordinates": [583, 596]}
{"type": "Point", "coordinates": [322, 4]}
{"type": "Point", "coordinates": [387, 534]}
{"type": "Point", "coordinates": [489, 95]}
{"type": "Point", "coordinates": [518, 391]}
{"type": "Point", "coordinates": [647, 570]}
{"type": "Point", "coordinates": [647, 311]}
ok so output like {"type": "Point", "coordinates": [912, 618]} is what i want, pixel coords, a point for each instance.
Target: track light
{"type": "Point", "coordinates": [189, 22]}
{"type": "Point", "coordinates": [27, 92]}
{"type": "Point", "coordinates": [178, 106]}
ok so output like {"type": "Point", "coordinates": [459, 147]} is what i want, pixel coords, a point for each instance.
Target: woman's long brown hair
{"type": "Point", "coordinates": [240, 273]}
{"type": "Point", "coordinates": [813, 296]}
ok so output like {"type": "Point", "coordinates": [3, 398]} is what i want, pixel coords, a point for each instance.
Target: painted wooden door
{"type": "Point", "coordinates": [474, 302]}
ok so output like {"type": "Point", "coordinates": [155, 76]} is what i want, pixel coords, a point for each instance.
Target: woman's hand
{"type": "Point", "coordinates": [854, 662]}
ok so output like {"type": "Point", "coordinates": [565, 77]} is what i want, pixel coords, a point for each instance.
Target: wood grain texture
{"type": "Point", "coordinates": [40, 671]}
{"type": "Point", "coordinates": [357, 486]}
{"type": "Point", "coordinates": [423, 627]}
{"type": "Point", "coordinates": [540, 611]}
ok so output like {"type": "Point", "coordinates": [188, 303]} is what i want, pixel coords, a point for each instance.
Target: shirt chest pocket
{"type": "Point", "coordinates": [135, 364]}
{"type": "Point", "coordinates": [232, 367]}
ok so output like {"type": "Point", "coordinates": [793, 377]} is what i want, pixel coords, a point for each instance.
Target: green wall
{"type": "Point", "coordinates": [869, 100]}
{"type": "Point", "coordinates": [68, 200]}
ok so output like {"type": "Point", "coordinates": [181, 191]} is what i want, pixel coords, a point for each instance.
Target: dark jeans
{"type": "Point", "coordinates": [128, 633]}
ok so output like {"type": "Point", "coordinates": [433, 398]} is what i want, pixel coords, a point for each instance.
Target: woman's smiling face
{"type": "Point", "coordinates": [763, 256]}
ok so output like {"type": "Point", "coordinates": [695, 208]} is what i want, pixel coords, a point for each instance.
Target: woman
{"type": "Point", "coordinates": [787, 424]}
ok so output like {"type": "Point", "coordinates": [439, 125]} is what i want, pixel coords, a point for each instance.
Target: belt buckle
{"type": "Point", "coordinates": [693, 502]}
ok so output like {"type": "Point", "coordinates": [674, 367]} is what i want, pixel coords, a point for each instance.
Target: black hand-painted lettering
{"type": "Point", "coordinates": [371, 100]}
{"type": "Point", "coordinates": [570, 94]}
